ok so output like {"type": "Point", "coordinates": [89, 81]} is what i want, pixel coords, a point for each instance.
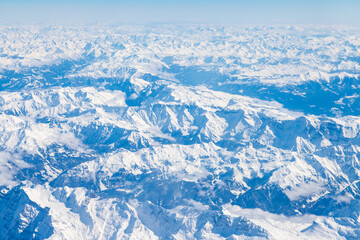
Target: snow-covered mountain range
{"type": "Point", "coordinates": [179, 132]}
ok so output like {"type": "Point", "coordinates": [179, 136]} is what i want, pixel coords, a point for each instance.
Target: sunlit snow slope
{"type": "Point", "coordinates": [179, 132]}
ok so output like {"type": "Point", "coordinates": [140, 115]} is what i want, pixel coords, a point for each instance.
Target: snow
{"type": "Point", "coordinates": [179, 132]}
{"type": "Point", "coordinates": [282, 227]}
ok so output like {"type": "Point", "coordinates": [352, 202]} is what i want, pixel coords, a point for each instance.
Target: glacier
{"type": "Point", "coordinates": [179, 132]}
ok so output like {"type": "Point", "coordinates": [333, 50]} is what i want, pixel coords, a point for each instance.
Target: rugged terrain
{"type": "Point", "coordinates": [179, 132]}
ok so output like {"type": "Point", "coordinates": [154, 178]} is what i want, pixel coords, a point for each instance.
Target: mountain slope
{"type": "Point", "coordinates": [175, 132]}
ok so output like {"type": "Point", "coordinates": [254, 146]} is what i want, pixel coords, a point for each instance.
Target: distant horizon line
{"type": "Point", "coordinates": [146, 23]}
{"type": "Point", "coordinates": [251, 12]}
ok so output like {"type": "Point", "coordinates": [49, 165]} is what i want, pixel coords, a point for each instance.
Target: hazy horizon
{"type": "Point", "coordinates": [139, 11]}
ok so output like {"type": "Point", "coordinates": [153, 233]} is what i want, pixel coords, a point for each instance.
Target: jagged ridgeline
{"type": "Point", "coordinates": [179, 132]}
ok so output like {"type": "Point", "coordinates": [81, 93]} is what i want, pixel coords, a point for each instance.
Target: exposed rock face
{"type": "Point", "coordinates": [177, 133]}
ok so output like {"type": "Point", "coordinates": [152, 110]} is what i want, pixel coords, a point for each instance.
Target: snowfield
{"type": "Point", "coordinates": [179, 132]}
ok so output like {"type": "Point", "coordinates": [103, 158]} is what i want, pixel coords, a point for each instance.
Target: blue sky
{"type": "Point", "coordinates": [199, 11]}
